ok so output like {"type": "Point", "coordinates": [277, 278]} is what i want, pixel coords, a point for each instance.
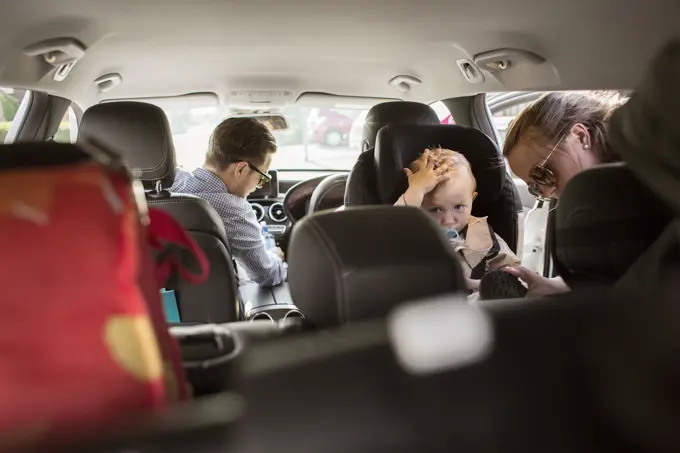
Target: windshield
{"type": "Point", "coordinates": [317, 138]}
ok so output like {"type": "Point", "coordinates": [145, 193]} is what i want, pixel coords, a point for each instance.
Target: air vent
{"type": "Point", "coordinates": [262, 316]}
{"type": "Point", "coordinates": [294, 314]}
{"type": "Point", "coordinates": [276, 212]}
{"type": "Point", "coordinates": [259, 211]}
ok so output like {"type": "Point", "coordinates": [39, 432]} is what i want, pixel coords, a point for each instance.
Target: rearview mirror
{"type": "Point", "coordinates": [274, 122]}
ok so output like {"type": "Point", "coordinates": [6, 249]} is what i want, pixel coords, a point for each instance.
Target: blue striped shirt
{"type": "Point", "coordinates": [243, 232]}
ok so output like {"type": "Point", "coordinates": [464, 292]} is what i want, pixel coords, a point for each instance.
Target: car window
{"type": "Point", "coordinates": [68, 128]}
{"type": "Point", "coordinates": [443, 112]}
{"type": "Point", "coordinates": [10, 102]}
{"type": "Point", "coordinates": [504, 108]}
{"type": "Point", "coordinates": [318, 138]}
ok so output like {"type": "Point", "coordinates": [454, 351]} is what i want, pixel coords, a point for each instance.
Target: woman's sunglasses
{"type": "Point", "coordinates": [541, 177]}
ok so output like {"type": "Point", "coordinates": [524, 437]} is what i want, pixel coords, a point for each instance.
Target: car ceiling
{"type": "Point", "coordinates": [350, 47]}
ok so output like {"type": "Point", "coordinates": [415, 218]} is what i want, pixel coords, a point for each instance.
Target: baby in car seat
{"type": "Point", "coordinates": [442, 183]}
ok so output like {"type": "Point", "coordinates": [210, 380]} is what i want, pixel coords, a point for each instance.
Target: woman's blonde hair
{"type": "Point", "coordinates": [550, 117]}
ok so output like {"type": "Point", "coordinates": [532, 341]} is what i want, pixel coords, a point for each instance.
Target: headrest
{"type": "Point", "coordinates": [359, 263]}
{"type": "Point", "coordinates": [644, 131]}
{"type": "Point", "coordinates": [605, 219]}
{"type": "Point", "coordinates": [139, 132]}
{"type": "Point", "coordinates": [395, 112]}
{"type": "Point", "coordinates": [399, 145]}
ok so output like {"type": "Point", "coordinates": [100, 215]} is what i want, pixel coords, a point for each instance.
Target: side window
{"type": "Point", "coordinates": [443, 113]}
{"type": "Point", "coordinates": [68, 128]}
{"type": "Point", "coordinates": [11, 111]}
{"type": "Point", "coordinates": [504, 108]}
{"type": "Point", "coordinates": [501, 120]}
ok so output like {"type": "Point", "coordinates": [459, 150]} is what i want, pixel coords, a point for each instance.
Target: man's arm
{"type": "Point", "coordinates": [246, 242]}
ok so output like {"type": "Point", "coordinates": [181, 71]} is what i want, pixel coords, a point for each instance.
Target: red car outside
{"type": "Point", "coordinates": [331, 127]}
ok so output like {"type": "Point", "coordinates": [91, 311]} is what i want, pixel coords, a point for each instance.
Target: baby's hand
{"type": "Point", "coordinates": [434, 154]}
{"type": "Point", "coordinates": [425, 177]}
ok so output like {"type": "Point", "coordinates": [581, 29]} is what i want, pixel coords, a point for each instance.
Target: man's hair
{"type": "Point", "coordinates": [553, 114]}
{"type": "Point", "coordinates": [239, 139]}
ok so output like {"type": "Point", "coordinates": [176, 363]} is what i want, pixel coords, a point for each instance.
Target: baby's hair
{"type": "Point", "coordinates": [458, 161]}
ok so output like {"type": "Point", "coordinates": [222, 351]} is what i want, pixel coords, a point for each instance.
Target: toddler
{"type": "Point", "coordinates": [442, 183]}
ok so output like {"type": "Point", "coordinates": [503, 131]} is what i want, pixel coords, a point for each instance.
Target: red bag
{"type": "Point", "coordinates": [83, 339]}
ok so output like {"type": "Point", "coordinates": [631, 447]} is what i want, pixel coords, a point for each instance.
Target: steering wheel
{"type": "Point", "coordinates": [295, 200]}
{"type": "Point", "coordinates": [333, 182]}
{"type": "Point", "coordinates": [307, 197]}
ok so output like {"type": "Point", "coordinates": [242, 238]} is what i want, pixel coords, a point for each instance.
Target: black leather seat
{"type": "Point", "coordinates": [361, 188]}
{"type": "Point", "coordinates": [604, 221]}
{"type": "Point", "coordinates": [398, 145]}
{"type": "Point", "coordinates": [353, 265]}
{"type": "Point", "coordinates": [141, 133]}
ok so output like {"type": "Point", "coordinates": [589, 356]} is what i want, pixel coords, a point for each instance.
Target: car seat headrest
{"type": "Point", "coordinates": [644, 131]}
{"type": "Point", "coordinates": [605, 219]}
{"type": "Point", "coordinates": [395, 112]}
{"type": "Point", "coordinates": [139, 132]}
{"type": "Point", "coordinates": [399, 145]}
{"type": "Point", "coordinates": [361, 262]}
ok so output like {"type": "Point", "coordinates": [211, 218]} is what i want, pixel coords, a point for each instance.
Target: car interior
{"type": "Point", "coordinates": [370, 345]}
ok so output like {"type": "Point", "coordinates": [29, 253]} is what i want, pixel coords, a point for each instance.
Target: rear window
{"type": "Point", "coordinates": [443, 113]}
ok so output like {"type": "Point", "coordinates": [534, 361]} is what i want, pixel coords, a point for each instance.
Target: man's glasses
{"type": "Point", "coordinates": [264, 177]}
{"type": "Point", "coordinates": [541, 177]}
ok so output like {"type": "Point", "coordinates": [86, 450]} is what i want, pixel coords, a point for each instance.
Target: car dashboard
{"type": "Point", "coordinates": [267, 203]}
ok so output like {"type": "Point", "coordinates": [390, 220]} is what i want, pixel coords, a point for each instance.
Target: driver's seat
{"type": "Point", "coordinates": [140, 133]}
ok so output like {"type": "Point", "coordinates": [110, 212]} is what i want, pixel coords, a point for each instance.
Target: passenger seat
{"type": "Point", "coordinates": [360, 263]}
{"type": "Point", "coordinates": [361, 188]}
{"type": "Point", "coordinates": [140, 132]}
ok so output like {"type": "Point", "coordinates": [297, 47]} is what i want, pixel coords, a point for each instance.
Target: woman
{"type": "Point", "coordinates": [553, 139]}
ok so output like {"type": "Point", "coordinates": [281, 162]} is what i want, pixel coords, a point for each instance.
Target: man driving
{"type": "Point", "coordinates": [237, 161]}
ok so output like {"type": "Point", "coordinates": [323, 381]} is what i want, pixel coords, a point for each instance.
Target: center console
{"type": "Point", "coordinates": [268, 207]}
{"type": "Point", "coordinates": [272, 304]}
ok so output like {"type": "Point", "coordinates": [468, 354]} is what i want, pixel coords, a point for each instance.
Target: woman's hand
{"type": "Point", "coordinates": [425, 178]}
{"type": "Point", "coordinates": [537, 284]}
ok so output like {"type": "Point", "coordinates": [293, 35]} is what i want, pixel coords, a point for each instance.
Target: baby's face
{"type": "Point", "coordinates": [450, 202]}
